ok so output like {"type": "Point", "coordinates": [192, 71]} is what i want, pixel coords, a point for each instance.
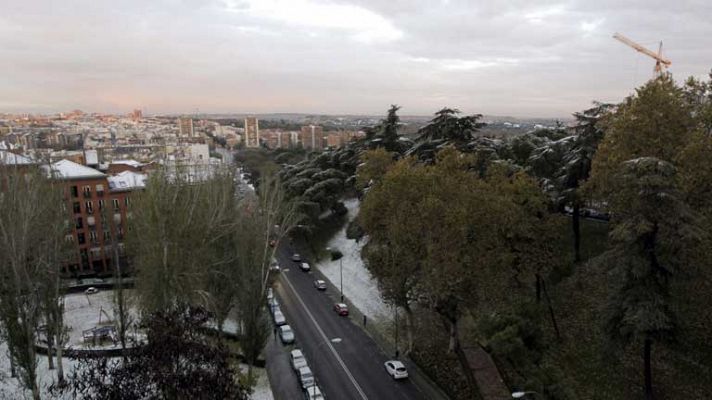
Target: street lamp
{"type": "Point", "coordinates": [395, 309]}
{"type": "Point", "coordinates": [521, 395]}
{"type": "Point", "coordinates": [341, 275]}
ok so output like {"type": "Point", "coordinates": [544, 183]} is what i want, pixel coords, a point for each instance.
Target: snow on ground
{"type": "Point", "coordinates": [359, 286]}
{"type": "Point", "coordinates": [261, 390]}
{"type": "Point", "coordinates": [11, 388]}
{"type": "Point", "coordinates": [86, 311]}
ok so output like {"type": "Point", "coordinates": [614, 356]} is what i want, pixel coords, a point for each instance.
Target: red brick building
{"type": "Point", "coordinates": [99, 206]}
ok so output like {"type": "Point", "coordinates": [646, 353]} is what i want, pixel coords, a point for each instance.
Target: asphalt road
{"type": "Point", "coordinates": [346, 362]}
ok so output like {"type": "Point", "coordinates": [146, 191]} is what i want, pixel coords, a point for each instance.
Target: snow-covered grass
{"type": "Point", "coordinates": [86, 311]}
{"type": "Point", "coordinates": [12, 388]}
{"type": "Point", "coordinates": [262, 389]}
{"type": "Point", "coordinates": [359, 286]}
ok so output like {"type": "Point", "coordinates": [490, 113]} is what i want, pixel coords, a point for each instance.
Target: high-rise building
{"type": "Point", "coordinates": [185, 125]}
{"type": "Point", "coordinates": [252, 132]}
{"type": "Point", "coordinates": [312, 137]}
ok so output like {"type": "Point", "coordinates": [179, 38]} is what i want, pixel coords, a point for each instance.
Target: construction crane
{"type": "Point", "coordinates": [661, 63]}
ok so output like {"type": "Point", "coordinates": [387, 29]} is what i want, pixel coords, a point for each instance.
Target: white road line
{"type": "Point", "coordinates": [327, 341]}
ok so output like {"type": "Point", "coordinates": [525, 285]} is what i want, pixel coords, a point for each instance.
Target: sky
{"type": "Point", "coordinates": [519, 58]}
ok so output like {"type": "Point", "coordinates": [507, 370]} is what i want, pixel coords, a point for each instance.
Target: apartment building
{"type": "Point", "coordinates": [99, 206]}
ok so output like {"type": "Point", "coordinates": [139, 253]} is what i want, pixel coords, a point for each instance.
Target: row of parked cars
{"type": "Point", "coordinates": [310, 389]}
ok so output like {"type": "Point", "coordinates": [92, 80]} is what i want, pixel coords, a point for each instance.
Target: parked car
{"type": "Point", "coordinates": [270, 295]}
{"type": "Point", "coordinates": [306, 377]}
{"type": "Point", "coordinates": [274, 267]}
{"type": "Point", "coordinates": [279, 318]}
{"type": "Point", "coordinates": [273, 304]}
{"type": "Point", "coordinates": [305, 267]}
{"type": "Point", "coordinates": [296, 257]}
{"type": "Point", "coordinates": [341, 309]}
{"type": "Point", "coordinates": [298, 360]}
{"type": "Point", "coordinates": [91, 290]}
{"type": "Point", "coordinates": [313, 393]}
{"type": "Point", "coordinates": [286, 334]}
{"type": "Point", "coordinates": [396, 369]}
{"type": "Point", "coordinates": [272, 243]}
{"type": "Point", "coordinates": [320, 284]}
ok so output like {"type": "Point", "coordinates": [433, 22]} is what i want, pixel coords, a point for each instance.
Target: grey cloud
{"type": "Point", "coordinates": [518, 58]}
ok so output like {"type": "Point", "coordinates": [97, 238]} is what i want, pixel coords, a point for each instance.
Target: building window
{"type": "Point", "coordinates": [90, 207]}
{"type": "Point", "coordinates": [126, 201]}
{"type": "Point", "coordinates": [107, 236]}
{"type": "Point", "coordinates": [75, 191]}
{"type": "Point", "coordinates": [101, 204]}
{"type": "Point", "coordinates": [87, 192]}
{"type": "Point", "coordinates": [116, 204]}
{"type": "Point", "coordinates": [93, 236]}
{"type": "Point", "coordinates": [100, 190]}
{"type": "Point", "coordinates": [77, 207]}
{"type": "Point", "coordinates": [80, 223]}
{"type": "Point", "coordinates": [80, 238]}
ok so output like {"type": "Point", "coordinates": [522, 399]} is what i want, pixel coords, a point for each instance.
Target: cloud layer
{"type": "Point", "coordinates": [522, 58]}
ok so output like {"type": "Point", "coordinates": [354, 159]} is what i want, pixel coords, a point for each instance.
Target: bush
{"type": "Point", "coordinates": [336, 254]}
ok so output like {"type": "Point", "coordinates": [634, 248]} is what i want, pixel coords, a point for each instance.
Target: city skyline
{"type": "Point", "coordinates": [524, 59]}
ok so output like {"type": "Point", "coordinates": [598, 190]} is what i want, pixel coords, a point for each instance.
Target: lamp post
{"type": "Point", "coordinates": [395, 309]}
{"type": "Point", "coordinates": [341, 275]}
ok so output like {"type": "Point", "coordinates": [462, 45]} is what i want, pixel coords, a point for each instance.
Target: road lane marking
{"type": "Point", "coordinates": [327, 341]}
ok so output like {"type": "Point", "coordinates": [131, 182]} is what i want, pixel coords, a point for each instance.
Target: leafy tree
{"type": "Point", "coordinates": [32, 229]}
{"type": "Point", "coordinates": [447, 125]}
{"type": "Point", "coordinates": [576, 163]}
{"type": "Point", "coordinates": [178, 362]}
{"type": "Point", "coordinates": [653, 232]}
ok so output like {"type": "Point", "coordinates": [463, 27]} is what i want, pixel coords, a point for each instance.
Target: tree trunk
{"type": "Point", "coordinates": [13, 372]}
{"type": "Point", "coordinates": [60, 367]}
{"type": "Point", "coordinates": [538, 288]}
{"type": "Point", "coordinates": [35, 390]}
{"type": "Point", "coordinates": [452, 346]}
{"type": "Point", "coordinates": [576, 222]}
{"type": "Point", "coordinates": [50, 350]}
{"type": "Point", "coordinates": [551, 311]}
{"type": "Point", "coordinates": [409, 328]}
{"type": "Point", "coordinates": [648, 391]}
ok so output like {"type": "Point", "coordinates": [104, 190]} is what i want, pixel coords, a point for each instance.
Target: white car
{"type": "Point", "coordinates": [279, 319]}
{"type": "Point", "coordinates": [305, 266]}
{"type": "Point", "coordinates": [306, 377]}
{"type": "Point", "coordinates": [286, 334]}
{"type": "Point", "coordinates": [91, 290]}
{"type": "Point", "coordinates": [296, 257]}
{"type": "Point", "coordinates": [298, 359]}
{"type": "Point", "coordinates": [396, 369]}
{"type": "Point", "coordinates": [313, 393]}
{"type": "Point", "coordinates": [270, 295]}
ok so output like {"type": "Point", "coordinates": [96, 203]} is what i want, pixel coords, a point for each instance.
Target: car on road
{"type": "Point", "coordinates": [341, 309]}
{"type": "Point", "coordinates": [320, 284]}
{"type": "Point", "coordinates": [305, 267]}
{"type": "Point", "coordinates": [279, 318]}
{"type": "Point", "coordinates": [91, 290]}
{"type": "Point", "coordinates": [296, 257]}
{"type": "Point", "coordinates": [297, 359]}
{"type": "Point", "coordinates": [273, 304]}
{"type": "Point", "coordinates": [306, 377]}
{"type": "Point", "coordinates": [274, 267]}
{"type": "Point", "coordinates": [396, 369]}
{"type": "Point", "coordinates": [286, 334]}
{"type": "Point", "coordinates": [270, 295]}
{"type": "Point", "coordinates": [313, 393]}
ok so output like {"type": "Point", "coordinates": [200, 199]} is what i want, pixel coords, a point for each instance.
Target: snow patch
{"type": "Point", "coordinates": [359, 286]}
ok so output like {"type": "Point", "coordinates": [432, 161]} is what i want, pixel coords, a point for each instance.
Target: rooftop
{"type": "Point", "coordinates": [127, 180]}
{"type": "Point", "coordinates": [70, 170]}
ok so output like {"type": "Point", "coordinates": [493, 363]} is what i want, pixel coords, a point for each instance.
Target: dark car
{"type": "Point", "coordinates": [296, 257]}
{"type": "Point", "coordinates": [341, 309]}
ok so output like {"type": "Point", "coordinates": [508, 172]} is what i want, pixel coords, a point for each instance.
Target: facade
{"type": "Point", "coordinates": [252, 132]}
{"type": "Point", "coordinates": [99, 207]}
{"type": "Point", "coordinates": [312, 137]}
{"type": "Point", "coordinates": [185, 127]}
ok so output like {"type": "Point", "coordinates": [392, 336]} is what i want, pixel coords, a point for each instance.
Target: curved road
{"type": "Point", "coordinates": [346, 361]}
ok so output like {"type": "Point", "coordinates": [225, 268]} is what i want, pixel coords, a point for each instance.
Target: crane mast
{"type": "Point", "coordinates": [661, 63]}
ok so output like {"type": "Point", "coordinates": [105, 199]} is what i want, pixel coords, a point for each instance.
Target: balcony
{"type": "Point", "coordinates": [117, 218]}
{"type": "Point", "coordinates": [91, 221]}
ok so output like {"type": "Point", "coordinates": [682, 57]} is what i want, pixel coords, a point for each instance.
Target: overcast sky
{"type": "Point", "coordinates": [519, 58]}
